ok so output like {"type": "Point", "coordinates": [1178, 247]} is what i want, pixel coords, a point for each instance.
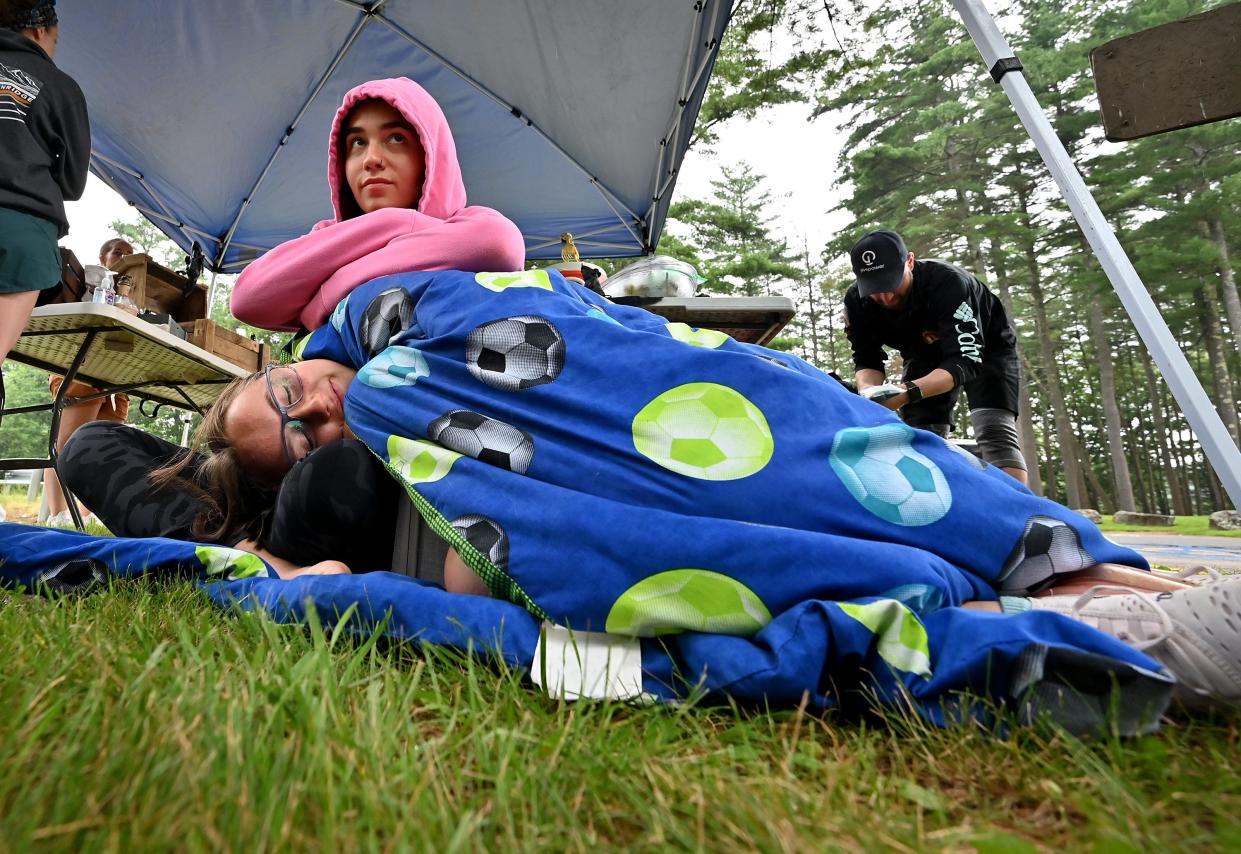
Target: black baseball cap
{"type": "Point", "coordinates": [879, 262]}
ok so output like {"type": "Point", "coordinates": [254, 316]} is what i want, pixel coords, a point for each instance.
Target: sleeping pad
{"type": "Point", "coordinates": [706, 517]}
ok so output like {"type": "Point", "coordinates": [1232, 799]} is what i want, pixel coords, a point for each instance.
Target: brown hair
{"type": "Point", "coordinates": [231, 499]}
{"type": "Point", "coordinates": [109, 244]}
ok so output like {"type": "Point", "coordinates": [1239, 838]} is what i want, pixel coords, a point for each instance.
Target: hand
{"type": "Point", "coordinates": [288, 569]}
{"type": "Point", "coordinates": [895, 402]}
{"type": "Point", "coordinates": [323, 567]}
{"type": "Point", "coordinates": [882, 393]}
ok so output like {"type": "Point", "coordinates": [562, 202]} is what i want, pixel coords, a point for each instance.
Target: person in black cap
{"type": "Point", "coordinates": [45, 140]}
{"type": "Point", "coordinates": [952, 333]}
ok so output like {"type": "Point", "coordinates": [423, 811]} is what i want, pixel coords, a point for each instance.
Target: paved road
{"type": "Point", "coordinates": [1222, 553]}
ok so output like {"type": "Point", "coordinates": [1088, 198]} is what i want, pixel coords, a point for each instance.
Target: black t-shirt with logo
{"type": "Point", "coordinates": [950, 321]}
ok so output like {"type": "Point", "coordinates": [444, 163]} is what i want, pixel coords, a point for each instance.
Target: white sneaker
{"type": "Point", "coordinates": [1195, 633]}
{"type": "Point", "coordinates": [63, 519]}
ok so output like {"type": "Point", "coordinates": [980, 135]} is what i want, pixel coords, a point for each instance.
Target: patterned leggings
{"type": "Point", "coordinates": [339, 503]}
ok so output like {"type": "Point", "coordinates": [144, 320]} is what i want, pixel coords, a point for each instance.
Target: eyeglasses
{"type": "Point", "coordinates": [284, 387]}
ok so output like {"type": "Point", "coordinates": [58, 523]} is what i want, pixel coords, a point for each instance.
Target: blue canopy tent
{"type": "Point", "coordinates": [211, 117]}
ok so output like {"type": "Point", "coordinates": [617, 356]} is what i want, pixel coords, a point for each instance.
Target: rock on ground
{"type": "Point", "coordinates": [1226, 520]}
{"type": "Point", "coordinates": [1128, 517]}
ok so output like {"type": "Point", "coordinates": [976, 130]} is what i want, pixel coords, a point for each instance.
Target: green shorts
{"type": "Point", "coordinates": [29, 258]}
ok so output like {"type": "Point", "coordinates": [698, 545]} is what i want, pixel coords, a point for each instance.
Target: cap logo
{"type": "Point", "coordinates": [868, 257]}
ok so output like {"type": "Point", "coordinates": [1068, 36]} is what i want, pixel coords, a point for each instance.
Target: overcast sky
{"type": "Point", "coordinates": [799, 160]}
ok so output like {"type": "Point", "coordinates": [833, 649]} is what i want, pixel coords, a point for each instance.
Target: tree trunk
{"type": "Point", "coordinates": [814, 312]}
{"type": "Point", "coordinates": [1051, 371]}
{"type": "Point", "coordinates": [1146, 482]}
{"type": "Point", "coordinates": [1227, 280]}
{"type": "Point", "coordinates": [1093, 484]}
{"type": "Point", "coordinates": [1025, 421]}
{"type": "Point", "coordinates": [1051, 486]}
{"type": "Point", "coordinates": [1163, 438]}
{"type": "Point", "coordinates": [1026, 436]}
{"type": "Point", "coordinates": [1218, 501]}
{"type": "Point", "coordinates": [1148, 446]}
{"type": "Point", "coordinates": [1111, 411]}
{"type": "Point", "coordinates": [1212, 336]}
{"type": "Point", "coordinates": [965, 210]}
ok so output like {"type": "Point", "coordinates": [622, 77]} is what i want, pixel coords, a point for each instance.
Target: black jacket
{"type": "Point", "coordinates": [950, 321]}
{"type": "Point", "coordinates": [44, 132]}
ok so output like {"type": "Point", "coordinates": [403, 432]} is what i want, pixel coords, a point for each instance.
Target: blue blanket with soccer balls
{"type": "Point", "coordinates": [705, 516]}
{"type": "Point", "coordinates": [612, 471]}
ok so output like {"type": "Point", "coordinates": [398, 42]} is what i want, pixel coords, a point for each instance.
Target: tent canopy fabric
{"type": "Point", "coordinates": [212, 117]}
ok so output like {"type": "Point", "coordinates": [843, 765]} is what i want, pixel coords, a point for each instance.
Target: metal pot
{"type": "Point", "coordinates": [657, 276]}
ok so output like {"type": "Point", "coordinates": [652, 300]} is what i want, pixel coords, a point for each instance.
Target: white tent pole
{"type": "Point", "coordinates": [1201, 414]}
{"type": "Point", "coordinates": [210, 296]}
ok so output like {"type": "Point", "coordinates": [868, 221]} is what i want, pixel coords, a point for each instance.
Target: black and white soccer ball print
{"type": "Point", "coordinates": [515, 353]}
{"type": "Point", "coordinates": [1047, 548]}
{"type": "Point", "coordinates": [383, 321]}
{"type": "Point", "coordinates": [486, 535]}
{"type": "Point", "coordinates": [483, 438]}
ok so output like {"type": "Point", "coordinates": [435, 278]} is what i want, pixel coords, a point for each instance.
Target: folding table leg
{"type": "Point", "coordinates": [58, 407]}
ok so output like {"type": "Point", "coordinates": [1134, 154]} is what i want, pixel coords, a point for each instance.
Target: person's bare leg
{"type": "Point", "coordinates": [14, 312]}
{"type": "Point", "coordinates": [1017, 474]}
{"type": "Point", "coordinates": [70, 420]}
{"type": "Point", "coordinates": [1115, 575]}
{"type": "Point", "coordinates": [459, 578]}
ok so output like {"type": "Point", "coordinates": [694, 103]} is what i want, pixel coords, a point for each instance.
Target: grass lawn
{"type": "Point", "coordinates": [142, 718]}
{"type": "Point", "coordinates": [1198, 526]}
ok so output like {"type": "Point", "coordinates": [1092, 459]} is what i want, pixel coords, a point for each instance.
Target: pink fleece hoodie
{"type": "Point", "coordinates": [301, 281]}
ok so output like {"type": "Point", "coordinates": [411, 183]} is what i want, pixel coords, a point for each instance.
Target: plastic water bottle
{"type": "Point", "coordinates": [105, 293]}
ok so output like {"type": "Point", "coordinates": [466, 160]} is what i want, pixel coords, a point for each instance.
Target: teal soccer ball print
{"type": "Point", "coordinates": [881, 469]}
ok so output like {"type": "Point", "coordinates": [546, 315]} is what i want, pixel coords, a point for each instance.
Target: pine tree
{"type": "Point", "coordinates": [732, 236]}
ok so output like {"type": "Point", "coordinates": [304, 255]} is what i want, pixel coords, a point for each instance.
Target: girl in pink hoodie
{"type": "Point", "coordinates": [399, 205]}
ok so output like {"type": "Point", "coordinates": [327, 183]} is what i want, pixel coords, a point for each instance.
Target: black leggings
{"type": "Point", "coordinates": [339, 503]}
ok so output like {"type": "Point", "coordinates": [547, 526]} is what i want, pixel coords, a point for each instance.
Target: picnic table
{"type": "Point", "coordinates": [754, 320]}
{"type": "Point", "coordinates": [116, 353]}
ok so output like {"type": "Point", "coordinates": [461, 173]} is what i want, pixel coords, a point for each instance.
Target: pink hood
{"type": "Point", "coordinates": [443, 192]}
{"type": "Point", "coordinates": [299, 282]}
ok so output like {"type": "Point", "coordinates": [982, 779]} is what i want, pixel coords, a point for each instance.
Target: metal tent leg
{"type": "Point", "coordinates": [1199, 411]}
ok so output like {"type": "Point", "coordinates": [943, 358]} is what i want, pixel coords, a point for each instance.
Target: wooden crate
{"type": "Point", "coordinates": [157, 288]}
{"type": "Point", "coordinates": [228, 345]}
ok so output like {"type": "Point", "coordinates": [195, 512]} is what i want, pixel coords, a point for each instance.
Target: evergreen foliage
{"type": "Point", "coordinates": [933, 149]}
{"type": "Point", "coordinates": [737, 252]}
